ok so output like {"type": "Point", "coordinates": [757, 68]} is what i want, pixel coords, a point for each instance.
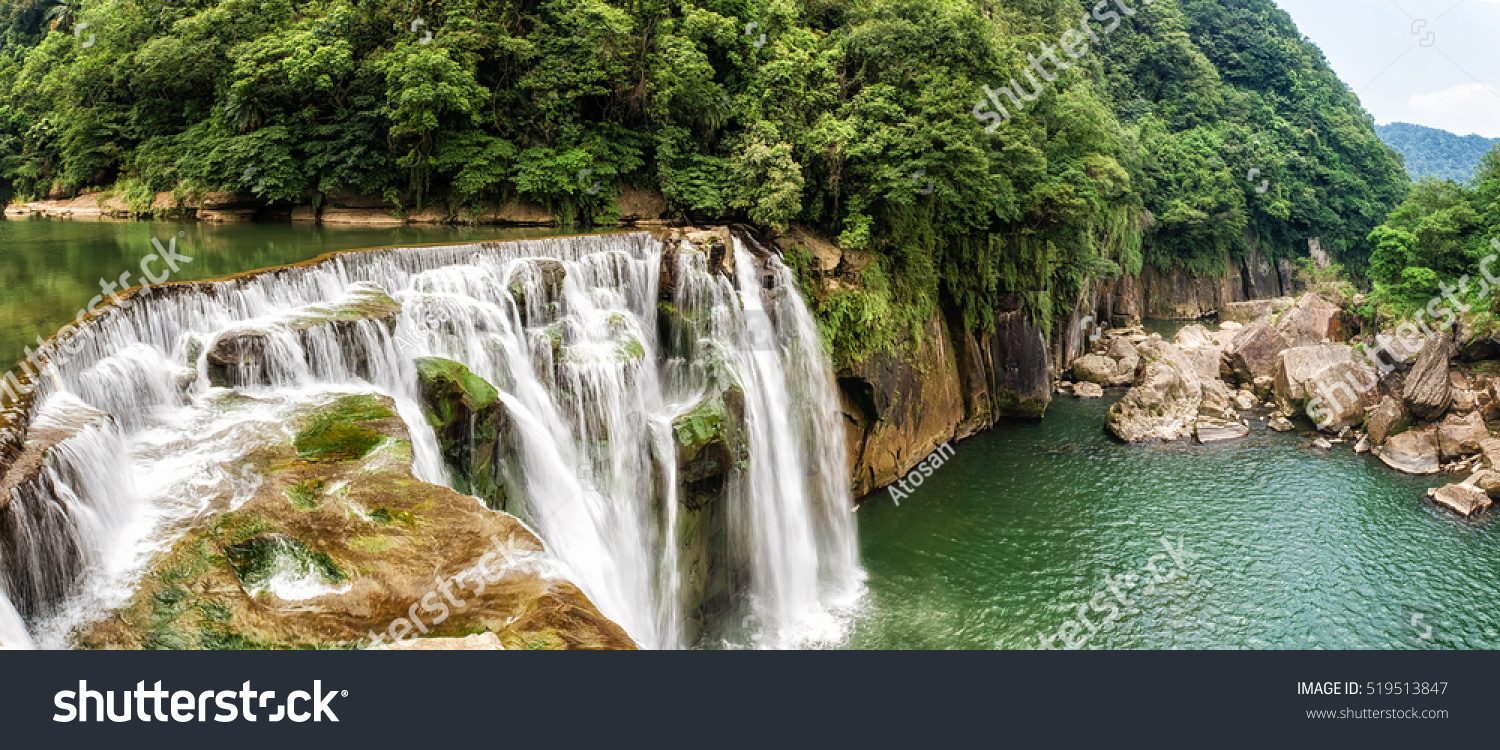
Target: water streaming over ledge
{"type": "Point", "coordinates": [594, 372]}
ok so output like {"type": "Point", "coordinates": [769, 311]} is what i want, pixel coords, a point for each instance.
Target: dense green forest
{"type": "Point", "coordinates": [1441, 234]}
{"type": "Point", "coordinates": [1430, 152]}
{"type": "Point", "coordinates": [1165, 133]}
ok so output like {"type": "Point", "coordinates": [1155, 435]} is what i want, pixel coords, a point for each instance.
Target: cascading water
{"type": "Point", "coordinates": [602, 373]}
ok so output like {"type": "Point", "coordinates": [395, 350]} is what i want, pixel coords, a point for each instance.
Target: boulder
{"type": "Point", "coordinates": [1213, 432]}
{"type": "Point", "coordinates": [1088, 390]}
{"type": "Point", "coordinates": [1490, 448]}
{"type": "Point", "coordinates": [1326, 382]}
{"type": "Point", "coordinates": [1411, 452]}
{"type": "Point", "coordinates": [1207, 361]}
{"type": "Point", "coordinates": [1192, 336]}
{"type": "Point", "coordinates": [1217, 402]}
{"type": "Point", "coordinates": [1311, 321]}
{"type": "Point", "coordinates": [1281, 424]}
{"type": "Point", "coordinates": [1463, 499]}
{"type": "Point", "coordinates": [1463, 402]}
{"type": "Point", "coordinates": [1094, 368]}
{"type": "Point", "coordinates": [1252, 352]}
{"type": "Point", "coordinates": [1428, 391]}
{"type": "Point", "coordinates": [1118, 365]}
{"type": "Point", "coordinates": [1487, 480]}
{"type": "Point", "coordinates": [1389, 416]}
{"type": "Point", "coordinates": [1475, 344]}
{"type": "Point", "coordinates": [1322, 444]}
{"type": "Point", "coordinates": [1163, 403]}
{"type": "Point", "coordinates": [1461, 436]}
{"type": "Point", "coordinates": [473, 428]}
{"type": "Point", "coordinates": [1217, 419]}
{"type": "Point", "coordinates": [1253, 310]}
{"type": "Point", "coordinates": [1244, 400]}
{"type": "Point", "coordinates": [536, 286]}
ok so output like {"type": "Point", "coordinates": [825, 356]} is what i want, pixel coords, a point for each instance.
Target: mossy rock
{"type": "Point", "coordinates": [710, 446]}
{"type": "Point", "coordinates": [342, 430]}
{"type": "Point", "coordinates": [382, 537]}
{"type": "Point", "coordinates": [472, 427]}
{"type": "Point", "coordinates": [451, 392]}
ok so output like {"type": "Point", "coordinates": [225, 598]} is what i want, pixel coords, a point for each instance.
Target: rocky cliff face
{"type": "Point", "coordinates": [898, 407]}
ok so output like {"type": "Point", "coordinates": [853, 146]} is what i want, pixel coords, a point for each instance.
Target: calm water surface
{"type": "Point", "coordinates": [50, 268]}
{"type": "Point", "coordinates": [1300, 549]}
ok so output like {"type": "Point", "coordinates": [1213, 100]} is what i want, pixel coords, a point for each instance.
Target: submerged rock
{"type": "Point", "coordinates": [1463, 499]}
{"type": "Point", "coordinates": [1411, 452]}
{"type": "Point", "coordinates": [339, 544]}
{"type": "Point", "coordinates": [1088, 391]}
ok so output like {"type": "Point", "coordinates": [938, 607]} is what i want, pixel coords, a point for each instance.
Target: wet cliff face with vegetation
{"type": "Point", "coordinates": [829, 114]}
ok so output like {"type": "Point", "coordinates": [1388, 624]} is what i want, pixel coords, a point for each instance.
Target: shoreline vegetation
{"type": "Point", "coordinates": [594, 113]}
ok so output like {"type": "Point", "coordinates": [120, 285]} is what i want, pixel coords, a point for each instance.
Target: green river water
{"type": "Point", "coordinates": [1295, 548]}
{"type": "Point", "coordinates": [50, 268]}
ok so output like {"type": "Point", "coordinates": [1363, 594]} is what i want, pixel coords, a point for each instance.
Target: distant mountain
{"type": "Point", "coordinates": [1437, 153]}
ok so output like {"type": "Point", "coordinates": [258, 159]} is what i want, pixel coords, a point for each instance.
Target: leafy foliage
{"type": "Point", "coordinates": [1439, 154]}
{"type": "Point", "coordinates": [854, 118]}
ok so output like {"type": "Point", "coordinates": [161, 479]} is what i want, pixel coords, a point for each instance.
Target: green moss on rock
{"type": "Point", "coordinates": [338, 432]}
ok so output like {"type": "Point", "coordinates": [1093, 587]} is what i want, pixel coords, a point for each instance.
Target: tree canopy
{"type": "Point", "coordinates": [834, 114]}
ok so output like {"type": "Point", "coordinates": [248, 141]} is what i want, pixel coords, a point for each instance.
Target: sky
{"type": "Point", "coordinates": [1431, 62]}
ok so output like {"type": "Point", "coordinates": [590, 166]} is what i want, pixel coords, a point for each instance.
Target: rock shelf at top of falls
{"type": "Point", "coordinates": [338, 541]}
{"type": "Point", "coordinates": [657, 410]}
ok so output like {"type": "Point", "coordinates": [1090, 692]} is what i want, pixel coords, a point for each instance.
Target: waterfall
{"type": "Point", "coordinates": [601, 372]}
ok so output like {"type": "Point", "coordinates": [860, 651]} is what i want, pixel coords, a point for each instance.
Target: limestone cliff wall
{"type": "Point", "coordinates": [899, 407]}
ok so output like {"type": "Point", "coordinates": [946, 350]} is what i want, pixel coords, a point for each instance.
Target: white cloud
{"type": "Point", "coordinates": [1464, 109]}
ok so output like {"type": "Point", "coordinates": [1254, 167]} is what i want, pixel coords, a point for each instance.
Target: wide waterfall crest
{"type": "Point", "coordinates": [599, 367]}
